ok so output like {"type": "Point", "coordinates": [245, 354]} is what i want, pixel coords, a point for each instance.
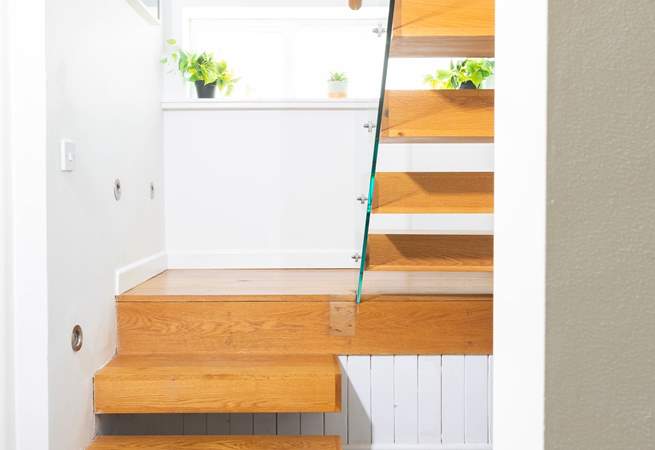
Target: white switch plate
{"type": "Point", "coordinates": [67, 152]}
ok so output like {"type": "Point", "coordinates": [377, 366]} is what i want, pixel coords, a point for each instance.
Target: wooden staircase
{"type": "Point", "coordinates": [266, 341]}
{"type": "Point", "coordinates": [435, 28]}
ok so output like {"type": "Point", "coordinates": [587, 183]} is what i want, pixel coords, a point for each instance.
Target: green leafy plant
{"type": "Point", "coordinates": [201, 67]}
{"type": "Point", "coordinates": [338, 76]}
{"type": "Point", "coordinates": [467, 71]}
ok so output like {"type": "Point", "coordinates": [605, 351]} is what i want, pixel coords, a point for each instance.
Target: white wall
{"type": "Point", "coordinates": [27, 216]}
{"type": "Point", "coordinates": [103, 92]}
{"type": "Point", "coordinates": [265, 187]}
{"type": "Point", "coordinates": [6, 295]}
{"type": "Point", "coordinates": [520, 224]}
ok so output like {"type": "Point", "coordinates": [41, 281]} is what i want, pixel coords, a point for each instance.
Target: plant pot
{"type": "Point", "coordinates": [467, 85]}
{"type": "Point", "coordinates": [337, 89]}
{"type": "Point", "coordinates": [205, 90]}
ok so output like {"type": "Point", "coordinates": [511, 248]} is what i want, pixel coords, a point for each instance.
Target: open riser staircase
{"type": "Point", "coordinates": [249, 345]}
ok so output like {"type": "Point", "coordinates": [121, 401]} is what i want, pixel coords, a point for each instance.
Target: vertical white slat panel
{"type": "Point", "coordinates": [359, 400]}
{"type": "Point", "coordinates": [490, 389]}
{"type": "Point", "coordinates": [452, 405]}
{"type": "Point", "coordinates": [311, 424]}
{"type": "Point", "coordinates": [195, 423]}
{"type": "Point", "coordinates": [429, 399]}
{"type": "Point", "coordinates": [288, 424]}
{"type": "Point", "coordinates": [265, 424]}
{"type": "Point", "coordinates": [241, 424]}
{"type": "Point", "coordinates": [171, 424]}
{"type": "Point", "coordinates": [476, 399]}
{"type": "Point", "coordinates": [406, 399]}
{"type": "Point", "coordinates": [382, 401]}
{"type": "Point", "coordinates": [218, 424]}
{"type": "Point", "coordinates": [336, 424]}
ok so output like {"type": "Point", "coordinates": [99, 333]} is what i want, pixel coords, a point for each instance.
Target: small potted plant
{"type": "Point", "coordinates": [465, 74]}
{"type": "Point", "coordinates": [337, 85]}
{"type": "Point", "coordinates": [203, 70]}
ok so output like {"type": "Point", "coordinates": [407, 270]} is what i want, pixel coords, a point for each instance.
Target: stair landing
{"type": "Point", "coordinates": [298, 285]}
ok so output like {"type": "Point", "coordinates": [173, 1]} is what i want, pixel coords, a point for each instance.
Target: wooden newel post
{"type": "Point", "coordinates": [355, 4]}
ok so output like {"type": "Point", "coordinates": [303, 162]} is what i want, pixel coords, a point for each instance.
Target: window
{"type": "Point", "coordinates": [288, 52]}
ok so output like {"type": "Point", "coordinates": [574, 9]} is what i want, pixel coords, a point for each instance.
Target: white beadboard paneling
{"type": "Point", "coordinates": [452, 406]}
{"type": "Point", "coordinates": [382, 401]}
{"type": "Point", "coordinates": [406, 399]}
{"type": "Point", "coordinates": [429, 399]}
{"type": "Point", "coordinates": [241, 424]}
{"type": "Point", "coordinates": [359, 400]}
{"type": "Point", "coordinates": [436, 158]}
{"type": "Point", "coordinates": [218, 424]}
{"type": "Point", "coordinates": [336, 424]}
{"type": "Point", "coordinates": [195, 424]}
{"type": "Point", "coordinates": [476, 399]}
{"type": "Point", "coordinates": [288, 424]}
{"type": "Point", "coordinates": [265, 424]}
{"type": "Point", "coordinates": [311, 424]}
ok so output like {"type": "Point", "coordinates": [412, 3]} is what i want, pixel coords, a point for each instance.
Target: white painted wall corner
{"type": "Point", "coordinates": [139, 271]}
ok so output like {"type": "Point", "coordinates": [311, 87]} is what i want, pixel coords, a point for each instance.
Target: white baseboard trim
{"type": "Point", "coordinates": [262, 259]}
{"type": "Point", "coordinates": [418, 447]}
{"type": "Point", "coordinates": [139, 271]}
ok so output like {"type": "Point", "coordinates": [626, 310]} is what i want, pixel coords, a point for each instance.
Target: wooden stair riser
{"type": "Point", "coordinates": [419, 325]}
{"type": "Point", "coordinates": [463, 115]}
{"type": "Point", "coordinates": [447, 253]}
{"type": "Point", "coordinates": [429, 193]}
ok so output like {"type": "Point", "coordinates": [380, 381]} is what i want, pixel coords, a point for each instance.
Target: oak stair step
{"type": "Point", "coordinates": [400, 314]}
{"type": "Point", "coordinates": [443, 28]}
{"type": "Point", "coordinates": [438, 116]}
{"type": "Point", "coordinates": [196, 383]}
{"type": "Point", "coordinates": [433, 192]}
{"type": "Point", "coordinates": [216, 443]}
{"type": "Point", "coordinates": [430, 253]}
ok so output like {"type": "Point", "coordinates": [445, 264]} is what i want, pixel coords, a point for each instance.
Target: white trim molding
{"type": "Point", "coordinates": [261, 259]}
{"type": "Point", "coordinates": [139, 271]}
{"type": "Point", "coordinates": [520, 224]}
{"type": "Point", "coordinates": [282, 104]}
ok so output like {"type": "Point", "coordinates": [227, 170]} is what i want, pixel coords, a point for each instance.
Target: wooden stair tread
{"type": "Point", "coordinates": [216, 443]}
{"type": "Point", "coordinates": [462, 115]}
{"type": "Point", "coordinates": [443, 28]}
{"type": "Point", "coordinates": [252, 285]}
{"type": "Point", "coordinates": [208, 383]}
{"type": "Point", "coordinates": [456, 253]}
{"type": "Point", "coordinates": [433, 192]}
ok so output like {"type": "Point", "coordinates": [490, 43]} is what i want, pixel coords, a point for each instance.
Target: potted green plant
{"type": "Point", "coordinates": [465, 74]}
{"type": "Point", "coordinates": [337, 85]}
{"type": "Point", "coordinates": [203, 70]}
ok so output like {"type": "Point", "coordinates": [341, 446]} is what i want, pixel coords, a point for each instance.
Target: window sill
{"type": "Point", "coordinates": [309, 104]}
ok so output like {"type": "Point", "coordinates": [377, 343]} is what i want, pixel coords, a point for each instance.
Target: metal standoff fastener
{"type": "Point", "coordinates": [356, 257]}
{"type": "Point", "coordinates": [370, 126]}
{"type": "Point", "coordinates": [379, 30]}
{"type": "Point", "coordinates": [77, 338]}
{"type": "Point", "coordinates": [362, 199]}
{"type": "Point", "coordinates": [117, 189]}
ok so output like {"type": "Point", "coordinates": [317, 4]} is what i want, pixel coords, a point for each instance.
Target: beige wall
{"type": "Point", "coordinates": [600, 308]}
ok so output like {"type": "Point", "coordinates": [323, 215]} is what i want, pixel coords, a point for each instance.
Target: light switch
{"type": "Point", "coordinates": [67, 150]}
